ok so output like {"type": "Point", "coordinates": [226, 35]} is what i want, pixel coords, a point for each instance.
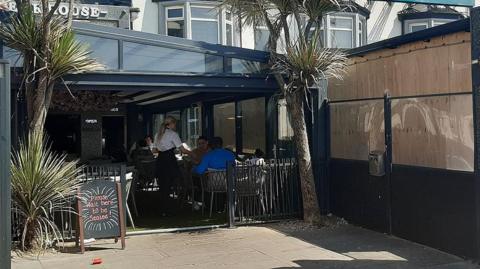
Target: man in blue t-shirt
{"type": "Point", "coordinates": [217, 158]}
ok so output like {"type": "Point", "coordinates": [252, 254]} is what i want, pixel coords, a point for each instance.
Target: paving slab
{"type": "Point", "coordinates": [275, 246]}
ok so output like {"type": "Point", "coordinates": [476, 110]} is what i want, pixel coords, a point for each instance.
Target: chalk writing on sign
{"type": "Point", "coordinates": [100, 208]}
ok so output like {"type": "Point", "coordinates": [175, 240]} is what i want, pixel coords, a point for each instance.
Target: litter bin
{"type": "Point", "coordinates": [376, 163]}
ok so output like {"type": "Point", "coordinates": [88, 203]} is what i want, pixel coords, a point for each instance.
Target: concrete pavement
{"type": "Point", "coordinates": [286, 245]}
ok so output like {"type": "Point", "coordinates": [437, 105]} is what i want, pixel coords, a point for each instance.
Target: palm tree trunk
{"type": "Point", "coordinates": [311, 210]}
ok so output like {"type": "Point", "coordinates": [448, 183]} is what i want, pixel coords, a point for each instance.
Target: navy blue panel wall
{"type": "Point", "coordinates": [435, 207]}
{"type": "Point", "coordinates": [356, 196]}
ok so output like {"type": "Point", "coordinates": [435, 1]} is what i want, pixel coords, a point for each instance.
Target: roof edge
{"type": "Point", "coordinates": [448, 28]}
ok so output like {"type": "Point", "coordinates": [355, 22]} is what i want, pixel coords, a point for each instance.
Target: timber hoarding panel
{"type": "Point", "coordinates": [439, 65]}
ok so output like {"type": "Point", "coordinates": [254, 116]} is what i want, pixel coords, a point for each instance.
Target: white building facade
{"type": "Point", "coordinates": [363, 22]}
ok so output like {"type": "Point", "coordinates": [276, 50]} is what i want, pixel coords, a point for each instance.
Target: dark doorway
{"type": "Point", "coordinates": [64, 133]}
{"type": "Point", "coordinates": [113, 137]}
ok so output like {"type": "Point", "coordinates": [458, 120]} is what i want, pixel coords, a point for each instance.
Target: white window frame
{"type": "Point", "coordinates": [411, 25]}
{"type": "Point", "coordinates": [227, 22]}
{"type": "Point", "coordinates": [217, 20]}
{"type": "Point", "coordinates": [330, 29]}
{"type": "Point", "coordinates": [437, 22]}
{"type": "Point", "coordinates": [167, 19]}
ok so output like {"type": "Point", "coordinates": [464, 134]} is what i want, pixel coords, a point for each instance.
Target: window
{"type": "Point", "coordinates": [193, 125]}
{"type": "Point", "coordinates": [341, 32]}
{"type": "Point", "coordinates": [204, 24]}
{"type": "Point", "coordinates": [228, 29]}
{"type": "Point", "coordinates": [361, 33]}
{"type": "Point", "coordinates": [253, 124]}
{"type": "Point", "coordinates": [439, 22]}
{"type": "Point", "coordinates": [414, 27]}
{"type": "Point", "coordinates": [224, 124]}
{"type": "Point", "coordinates": [175, 21]}
{"type": "Point", "coordinates": [261, 37]}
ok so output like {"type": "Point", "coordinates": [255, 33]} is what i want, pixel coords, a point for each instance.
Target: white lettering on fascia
{"type": "Point", "coordinates": [79, 10]}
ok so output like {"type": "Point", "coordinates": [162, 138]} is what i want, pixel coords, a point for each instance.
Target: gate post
{"type": "Point", "coordinates": [5, 196]}
{"type": "Point", "coordinates": [387, 114]}
{"type": "Point", "coordinates": [231, 195]}
{"type": "Point", "coordinates": [475, 49]}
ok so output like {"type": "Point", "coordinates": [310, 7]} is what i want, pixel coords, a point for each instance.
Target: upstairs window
{"type": "Point", "coordinates": [204, 24]}
{"type": "Point", "coordinates": [419, 26]}
{"type": "Point", "coordinates": [261, 37]}
{"type": "Point", "coordinates": [175, 21]}
{"type": "Point", "coordinates": [228, 29]}
{"type": "Point", "coordinates": [341, 32]}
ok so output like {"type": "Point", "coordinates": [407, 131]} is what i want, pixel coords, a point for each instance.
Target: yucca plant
{"type": "Point", "coordinates": [49, 50]}
{"type": "Point", "coordinates": [42, 183]}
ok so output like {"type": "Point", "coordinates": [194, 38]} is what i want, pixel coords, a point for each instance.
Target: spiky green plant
{"type": "Point", "coordinates": [50, 51]}
{"type": "Point", "coordinates": [42, 183]}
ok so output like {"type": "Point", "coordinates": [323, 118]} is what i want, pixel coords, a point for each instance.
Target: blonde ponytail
{"type": "Point", "coordinates": [168, 120]}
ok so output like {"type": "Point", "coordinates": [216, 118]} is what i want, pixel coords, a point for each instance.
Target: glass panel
{"type": "Point", "coordinates": [253, 124]}
{"type": "Point", "coordinates": [175, 28]}
{"type": "Point", "coordinates": [433, 132]}
{"type": "Point", "coordinates": [213, 63]}
{"type": "Point", "coordinates": [103, 50]}
{"type": "Point", "coordinates": [206, 31]}
{"type": "Point", "coordinates": [175, 13]}
{"type": "Point", "coordinates": [224, 124]}
{"type": "Point", "coordinates": [204, 13]}
{"type": "Point", "coordinates": [239, 66]}
{"type": "Point", "coordinates": [356, 129]}
{"type": "Point", "coordinates": [229, 34]}
{"type": "Point", "coordinates": [415, 28]}
{"type": "Point", "coordinates": [193, 126]}
{"type": "Point", "coordinates": [341, 39]}
{"type": "Point", "coordinates": [16, 60]}
{"type": "Point", "coordinates": [157, 120]}
{"type": "Point", "coordinates": [285, 131]}
{"type": "Point", "coordinates": [261, 39]}
{"type": "Point", "coordinates": [141, 57]}
{"type": "Point", "coordinates": [341, 23]}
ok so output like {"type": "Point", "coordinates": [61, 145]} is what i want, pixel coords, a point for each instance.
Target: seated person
{"type": "Point", "coordinates": [217, 158]}
{"type": "Point", "coordinates": [200, 151]}
{"type": "Point", "coordinates": [142, 152]}
{"type": "Point", "coordinates": [257, 158]}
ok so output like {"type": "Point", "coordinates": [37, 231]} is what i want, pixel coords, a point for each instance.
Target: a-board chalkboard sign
{"type": "Point", "coordinates": [101, 213]}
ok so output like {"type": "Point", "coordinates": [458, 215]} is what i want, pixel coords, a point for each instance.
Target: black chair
{"type": "Point", "coordinates": [146, 174]}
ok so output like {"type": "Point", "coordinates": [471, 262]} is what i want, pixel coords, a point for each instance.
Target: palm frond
{"type": "Point", "coordinates": [307, 63]}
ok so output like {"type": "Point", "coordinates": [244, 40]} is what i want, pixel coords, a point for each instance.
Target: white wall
{"type": "Point", "coordinates": [147, 20]}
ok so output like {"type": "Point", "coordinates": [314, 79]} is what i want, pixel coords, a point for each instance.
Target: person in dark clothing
{"type": "Point", "coordinates": [143, 151]}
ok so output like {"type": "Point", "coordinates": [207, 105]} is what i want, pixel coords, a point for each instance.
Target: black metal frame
{"type": "Point", "coordinates": [5, 192]}
{"type": "Point", "coordinates": [475, 52]}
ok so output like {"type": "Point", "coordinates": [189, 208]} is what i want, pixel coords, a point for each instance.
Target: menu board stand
{"type": "Point", "coordinates": [120, 215]}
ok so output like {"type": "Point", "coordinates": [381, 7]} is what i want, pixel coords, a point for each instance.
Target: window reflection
{"type": "Point", "coordinates": [253, 124]}
{"type": "Point", "coordinates": [141, 57]}
{"type": "Point", "coordinates": [104, 50]}
{"type": "Point", "coordinates": [224, 124]}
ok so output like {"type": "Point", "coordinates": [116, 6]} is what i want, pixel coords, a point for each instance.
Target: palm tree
{"type": "Point", "coordinates": [49, 51]}
{"type": "Point", "coordinates": [305, 63]}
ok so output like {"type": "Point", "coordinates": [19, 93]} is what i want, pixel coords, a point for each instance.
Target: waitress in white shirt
{"type": "Point", "coordinates": [166, 142]}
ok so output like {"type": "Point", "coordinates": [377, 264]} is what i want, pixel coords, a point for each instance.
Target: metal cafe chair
{"type": "Point", "coordinates": [146, 174]}
{"type": "Point", "coordinates": [249, 183]}
{"type": "Point", "coordinates": [214, 182]}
